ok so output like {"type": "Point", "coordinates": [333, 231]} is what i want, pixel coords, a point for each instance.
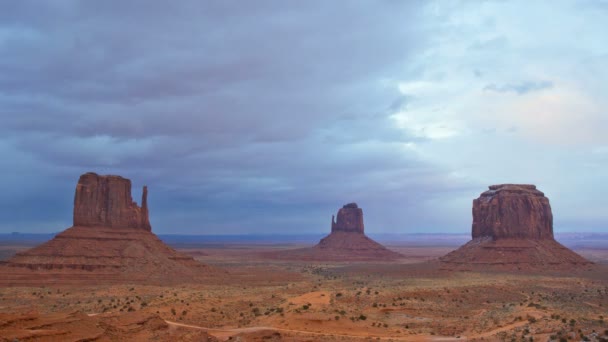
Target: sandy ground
{"type": "Point", "coordinates": [407, 300]}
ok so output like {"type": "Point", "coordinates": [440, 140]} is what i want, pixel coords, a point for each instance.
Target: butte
{"type": "Point", "coordinates": [346, 242]}
{"type": "Point", "coordinates": [111, 241]}
{"type": "Point", "coordinates": [512, 230]}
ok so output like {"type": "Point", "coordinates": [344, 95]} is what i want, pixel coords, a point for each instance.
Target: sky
{"type": "Point", "coordinates": [266, 117]}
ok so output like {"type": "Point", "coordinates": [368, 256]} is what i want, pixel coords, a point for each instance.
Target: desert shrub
{"type": "Point", "coordinates": [362, 317]}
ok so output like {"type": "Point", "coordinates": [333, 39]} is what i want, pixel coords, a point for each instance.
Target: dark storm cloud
{"type": "Point", "coordinates": [239, 115]}
{"type": "Point", "coordinates": [519, 88]}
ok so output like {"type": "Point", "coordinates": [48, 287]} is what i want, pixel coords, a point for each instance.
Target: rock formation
{"type": "Point", "coordinates": [513, 229]}
{"type": "Point", "coordinates": [105, 201]}
{"type": "Point", "coordinates": [346, 242]}
{"type": "Point", "coordinates": [512, 211]}
{"type": "Point", "coordinates": [111, 242]}
{"type": "Point", "coordinates": [350, 219]}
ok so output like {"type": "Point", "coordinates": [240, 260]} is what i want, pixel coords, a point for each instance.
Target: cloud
{"type": "Point", "coordinates": [238, 116]}
{"type": "Point", "coordinates": [519, 88]}
{"type": "Point", "coordinates": [268, 116]}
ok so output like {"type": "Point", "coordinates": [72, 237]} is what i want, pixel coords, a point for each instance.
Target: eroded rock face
{"type": "Point", "coordinates": [111, 242]}
{"type": "Point", "coordinates": [512, 230]}
{"type": "Point", "coordinates": [350, 219]}
{"type": "Point", "coordinates": [512, 211]}
{"type": "Point", "coordinates": [105, 201]}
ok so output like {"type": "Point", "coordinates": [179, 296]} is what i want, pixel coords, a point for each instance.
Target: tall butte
{"type": "Point", "coordinates": [346, 242]}
{"type": "Point", "coordinates": [105, 201]}
{"type": "Point", "coordinates": [111, 241]}
{"type": "Point", "coordinates": [512, 229]}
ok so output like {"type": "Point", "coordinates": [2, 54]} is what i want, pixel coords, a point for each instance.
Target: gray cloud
{"type": "Point", "coordinates": [239, 116]}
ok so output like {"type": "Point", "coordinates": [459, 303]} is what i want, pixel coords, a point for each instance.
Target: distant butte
{"type": "Point", "coordinates": [512, 229]}
{"type": "Point", "coordinates": [346, 242]}
{"type": "Point", "coordinates": [110, 242]}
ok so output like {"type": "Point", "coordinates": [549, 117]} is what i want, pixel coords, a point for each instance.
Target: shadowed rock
{"type": "Point", "coordinates": [513, 229]}
{"type": "Point", "coordinates": [350, 219]}
{"type": "Point", "coordinates": [346, 242]}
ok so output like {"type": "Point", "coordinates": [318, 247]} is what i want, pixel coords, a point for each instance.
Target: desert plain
{"type": "Point", "coordinates": [253, 298]}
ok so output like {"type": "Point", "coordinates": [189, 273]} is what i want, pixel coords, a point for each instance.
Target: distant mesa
{"type": "Point", "coordinates": [346, 242]}
{"type": "Point", "coordinates": [350, 219]}
{"type": "Point", "coordinates": [111, 242]}
{"type": "Point", "coordinates": [512, 229]}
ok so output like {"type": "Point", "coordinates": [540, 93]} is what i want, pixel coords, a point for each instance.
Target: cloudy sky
{"type": "Point", "coordinates": [267, 116]}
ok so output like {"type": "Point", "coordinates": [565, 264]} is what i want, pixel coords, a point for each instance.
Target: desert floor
{"type": "Point", "coordinates": [266, 300]}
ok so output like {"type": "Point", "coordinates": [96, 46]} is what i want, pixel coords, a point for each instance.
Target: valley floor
{"type": "Point", "coordinates": [266, 300]}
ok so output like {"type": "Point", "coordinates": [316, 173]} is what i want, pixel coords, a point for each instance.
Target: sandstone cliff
{"type": "Point", "coordinates": [512, 229]}
{"type": "Point", "coordinates": [105, 201]}
{"type": "Point", "coordinates": [350, 219]}
{"type": "Point", "coordinates": [111, 242]}
{"type": "Point", "coordinates": [512, 211]}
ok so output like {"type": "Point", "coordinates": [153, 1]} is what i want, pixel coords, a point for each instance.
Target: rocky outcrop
{"type": "Point", "coordinates": [512, 230]}
{"type": "Point", "coordinates": [110, 242]}
{"type": "Point", "coordinates": [105, 201]}
{"type": "Point", "coordinates": [346, 242]}
{"type": "Point", "coordinates": [350, 219]}
{"type": "Point", "coordinates": [512, 211]}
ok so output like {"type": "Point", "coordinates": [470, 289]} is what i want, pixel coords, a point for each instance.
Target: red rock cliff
{"type": "Point", "coordinates": [512, 211]}
{"type": "Point", "coordinates": [106, 201]}
{"type": "Point", "coordinates": [350, 219]}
